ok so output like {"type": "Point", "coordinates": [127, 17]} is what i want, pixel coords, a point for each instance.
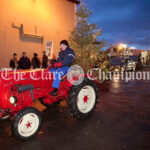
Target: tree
{"type": "Point", "coordinates": [83, 40]}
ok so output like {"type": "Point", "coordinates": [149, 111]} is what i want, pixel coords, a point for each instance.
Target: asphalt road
{"type": "Point", "coordinates": [120, 122]}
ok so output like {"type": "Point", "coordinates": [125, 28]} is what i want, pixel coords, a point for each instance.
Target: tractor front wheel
{"type": "Point", "coordinates": [26, 124]}
{"type": "Point", "coordinates": [82, 99]}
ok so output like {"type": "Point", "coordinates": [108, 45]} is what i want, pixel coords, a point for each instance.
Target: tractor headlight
{"type": "Point", "coordinates": [13, 100]}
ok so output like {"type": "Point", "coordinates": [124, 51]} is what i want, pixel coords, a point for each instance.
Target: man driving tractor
{"type": "Point", "coordinates": [64, 61]}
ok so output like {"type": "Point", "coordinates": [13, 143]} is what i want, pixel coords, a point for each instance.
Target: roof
{"type": "Point", "coordinates": [75, 1]}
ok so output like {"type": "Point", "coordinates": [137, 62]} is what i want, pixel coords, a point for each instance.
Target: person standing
{"type": "Point", "coordinates": [24, 62]}
{"type": "Point", "coordinates": [44, 60]}
{"type": "Point", "coordinates": [139, 65]}
{"type": "Point", "coordinates": [14, 62]}
{"type": "Point", "coordinates": [35, 61]}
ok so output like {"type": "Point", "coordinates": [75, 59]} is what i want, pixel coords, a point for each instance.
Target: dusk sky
{"type": "Point", "coordinates": [125, 21]}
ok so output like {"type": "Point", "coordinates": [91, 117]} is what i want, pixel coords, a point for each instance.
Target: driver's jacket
{"type": "Point", "coordinates": [66, 57]}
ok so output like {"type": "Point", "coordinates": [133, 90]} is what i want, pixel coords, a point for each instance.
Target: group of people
{"type": "Point", "coordinates": [25, 63]}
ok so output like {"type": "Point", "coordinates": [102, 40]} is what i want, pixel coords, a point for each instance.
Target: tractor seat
{"type": "Point", "coordinates": [63, 77]}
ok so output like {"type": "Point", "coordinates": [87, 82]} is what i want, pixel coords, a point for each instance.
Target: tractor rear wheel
{"type": "Point", "coordinates": [82, 99]}
{"type": "Point", "coordinates": [26, 124]}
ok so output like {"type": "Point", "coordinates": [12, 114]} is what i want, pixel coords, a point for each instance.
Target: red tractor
{"type": "Point", "coordinates": [19, 90]}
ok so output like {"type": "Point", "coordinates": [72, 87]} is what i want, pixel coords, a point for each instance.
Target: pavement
{"type": "Point", "coordinates": [120, 122]}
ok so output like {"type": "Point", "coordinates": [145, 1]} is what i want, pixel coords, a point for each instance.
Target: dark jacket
{"type": "Point", "coordinates": [44, 61]}
{"type": "Point", "coordinates": [24, 63]}
{"type": "Point", "coordinates": [13, 63]}
{"type": "Point", "coordinates": [66, 57]}
{"type": "Point", "coordinates": [36, 62]}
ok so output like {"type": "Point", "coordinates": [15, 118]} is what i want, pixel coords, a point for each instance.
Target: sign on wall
{"type": "Point", "coordinates": [49, 49]}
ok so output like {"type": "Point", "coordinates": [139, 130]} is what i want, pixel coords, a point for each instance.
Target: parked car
{"type": "Point", "coordinates": [118, 64]}
{"type": "Point", "coordinates": [134, 58]}
{"type": "Point", "coordinates": [129, 63]}
{"type": "Point", "coordinates": [115, 64]}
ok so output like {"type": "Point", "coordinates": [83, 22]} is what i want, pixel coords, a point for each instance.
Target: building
{"type": "Point", "coordinates": [138, 51]}
{"type": "Point", "coordinates": [113, 50]}
{"type": "Point", "coordinates": [34, 26]}
{"type": "Point", "coordinates": [143, 53]}
{"type": "Point", "coordinates": [118, 50]}
{"type": "Point", "coordinates": [124, 50]}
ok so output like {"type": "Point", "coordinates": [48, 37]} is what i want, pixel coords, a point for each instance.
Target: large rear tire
{"type": "Point", "coordinates": [82, 99]}
{"type": "Point", "coordinates": [26, 124]}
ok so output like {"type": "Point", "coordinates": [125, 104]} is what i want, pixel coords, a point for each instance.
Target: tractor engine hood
{"type": "Point", "coordinates": [8, 79]}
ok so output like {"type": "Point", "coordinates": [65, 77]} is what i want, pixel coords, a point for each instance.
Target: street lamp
{"type": "Point", "coordinates": [123, 47]}
{"type": "Point", "coordinates": [133, 48]}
